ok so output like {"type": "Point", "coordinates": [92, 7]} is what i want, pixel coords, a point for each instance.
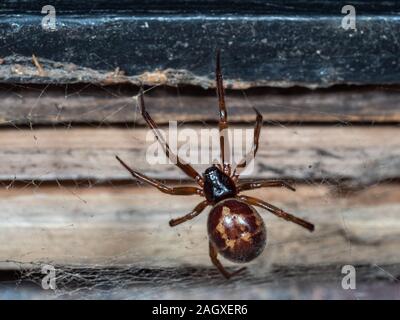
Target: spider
{"type": "Point", "coordinates": [235, 229]}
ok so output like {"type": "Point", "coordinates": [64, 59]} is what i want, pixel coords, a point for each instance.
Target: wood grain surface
{"type": "Point", "coordinates": [362, 154]}
{"type": "Point", "coordinates": [65, 200]}
{"type": "Point", "coordinates": [87, 104]}
{"type": "Point", "coordinates": [128, 225]}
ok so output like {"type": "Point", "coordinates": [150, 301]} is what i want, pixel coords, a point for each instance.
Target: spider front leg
{"type": "Point", "coordinates": [252, 153]}
{"type": "Point", "coordinates": [194, 213]}
{"type": "Point", "coordinates": [185, 167]}
{"type": "Point", "coordinates": [223, 120]}
{"type": "Point", "coordinates": [263, 184]}
{"type": "Point", "coordinates": [181, 191]}
{"type": "Point", "coordinates": [218, 264]}
{"type": "Point", "coordinates": [278, 212]}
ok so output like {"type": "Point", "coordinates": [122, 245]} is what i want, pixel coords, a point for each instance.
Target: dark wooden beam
{"type": "Point", "coordinates": [271, 43]}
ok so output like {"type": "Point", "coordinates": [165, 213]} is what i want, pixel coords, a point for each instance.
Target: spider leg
{"type": "Point", "coordinates": [182, 191]}
{"type": "Point", "coordinates": [263, 184]}
{"type": "Point", "coordinates": [185, 167]}
{"type": "Point", "coordinates": [278, 212]}
{"type": "Point", "coordinates": [223, 119]}
{"type": "Point", "coordinates": [252, 153]}
{"type": "Point", "coordinates": [218, 264]}
{"type": "Point", "coordinates": [194, 213]}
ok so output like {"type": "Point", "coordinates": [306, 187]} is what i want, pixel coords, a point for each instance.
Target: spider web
{"type": "Point", "coordinates": [88, 205]}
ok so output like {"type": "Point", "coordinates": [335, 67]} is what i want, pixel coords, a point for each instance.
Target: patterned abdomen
{"type": "Point", "coordinates": [236, 230]}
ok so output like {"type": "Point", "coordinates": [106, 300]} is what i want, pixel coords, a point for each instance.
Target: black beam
{"type": "Point", "coordinates": [276, 43]}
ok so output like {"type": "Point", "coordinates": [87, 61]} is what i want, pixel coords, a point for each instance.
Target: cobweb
{"type": "Point", "coordinates": [132, 275]}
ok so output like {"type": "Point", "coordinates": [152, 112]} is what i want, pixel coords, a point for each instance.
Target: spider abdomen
{"type": "Point", "coordinates": [236, 230]}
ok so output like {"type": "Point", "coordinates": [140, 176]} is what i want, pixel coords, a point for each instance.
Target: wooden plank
{"type": "Point", "coordinates": [127, 225]}
{"type": "Point", "coordinates": [129, 282]}
{"type": "Point", "coordinates": [361, 154]}
{"type": "Point", "coordinates": [33, 105]}
{"type": "Point", "coordinates": [276, 43]}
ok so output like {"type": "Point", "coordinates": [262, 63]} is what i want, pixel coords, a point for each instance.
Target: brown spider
{"type": "Point", "coordinates": [235, 229]}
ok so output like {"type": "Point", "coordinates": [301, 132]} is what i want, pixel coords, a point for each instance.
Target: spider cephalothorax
{"type": "Point", "coordinates": [235, 229]}
{"type": "Point", "coordinates": [217, 185]}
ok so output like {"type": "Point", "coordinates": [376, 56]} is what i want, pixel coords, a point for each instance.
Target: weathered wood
{"type": "Point", "coordinates": [113, 226]}
{"type": "Point", "coordinates": [361, 154]}
{"type": "Point", "coordinates": [276, 43]}
{"type": "Point", "coordinates": [88, 104]}
{"type": "Point", "coordinates": [110, 232]}
{"type": "Point", "coordinates": [130, 282]}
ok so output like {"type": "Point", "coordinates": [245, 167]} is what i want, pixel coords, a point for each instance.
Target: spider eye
{"type": "Point", "coordinates": [211, 170]}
